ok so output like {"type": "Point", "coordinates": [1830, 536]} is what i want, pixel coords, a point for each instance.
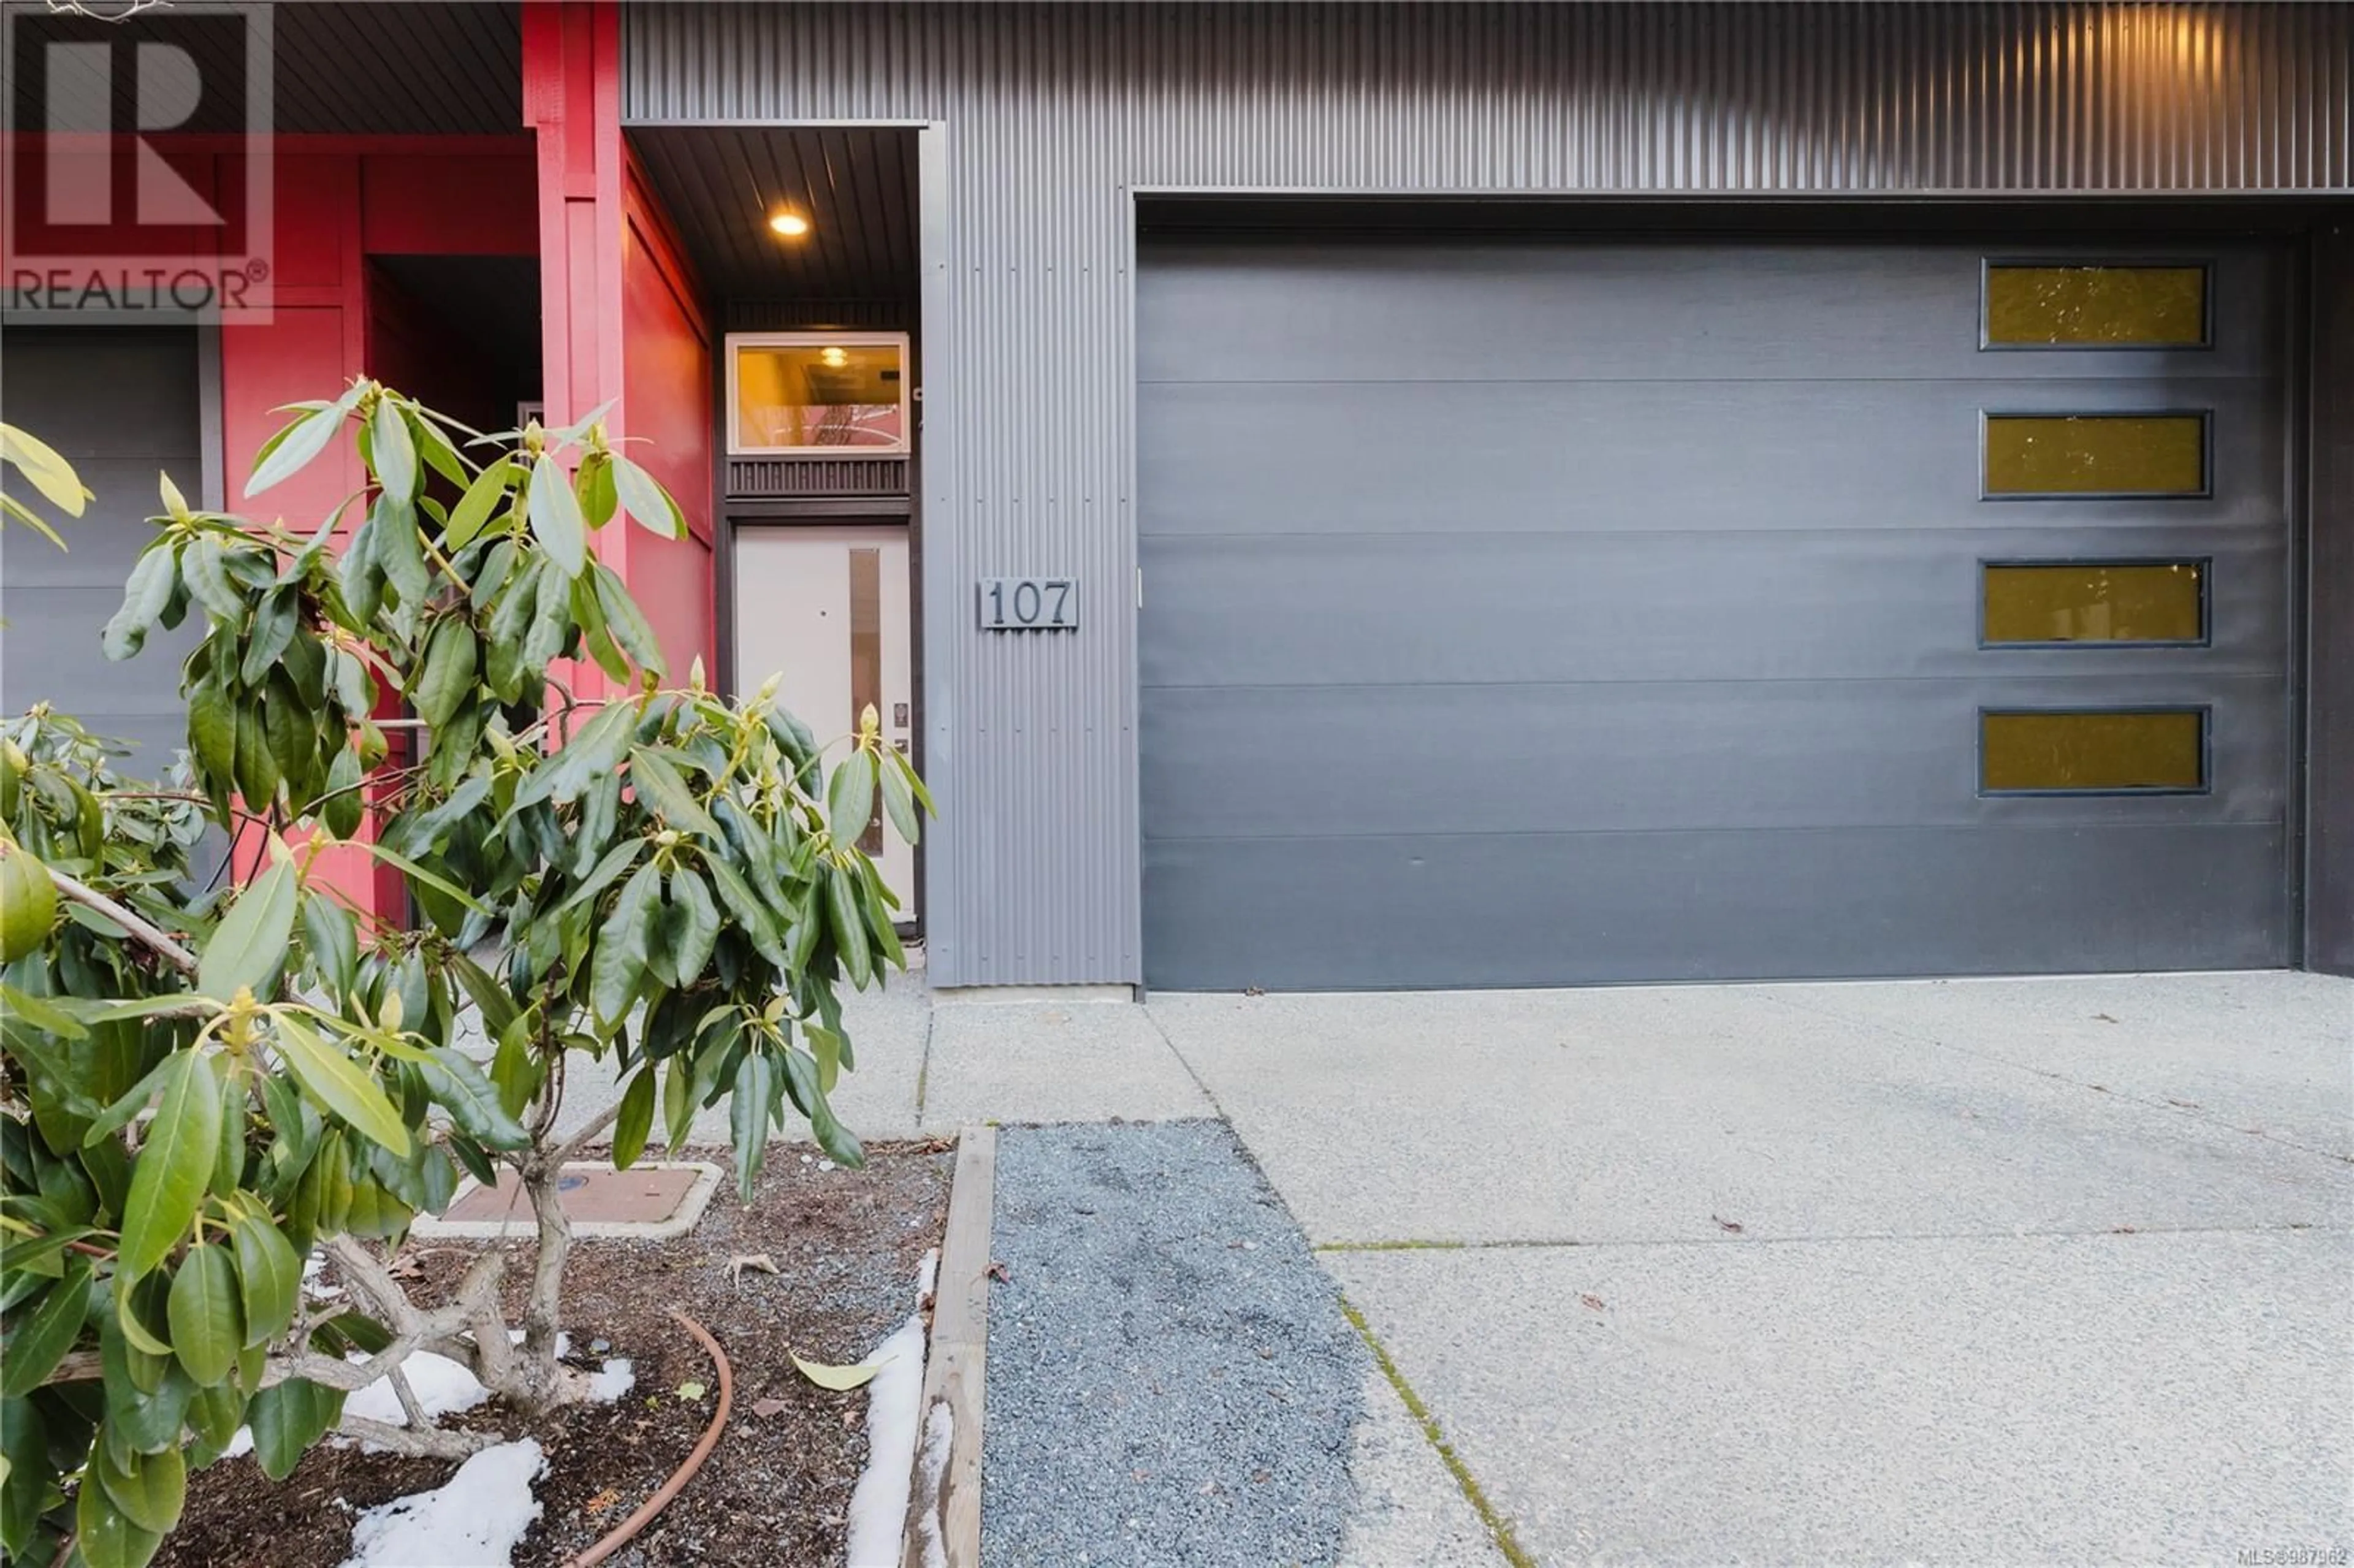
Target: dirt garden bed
{"type": "Point", "coordinates": [847, 1245]}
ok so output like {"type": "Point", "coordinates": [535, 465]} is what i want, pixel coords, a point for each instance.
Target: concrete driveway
{"type": "Point", "coordinates": [1970, 1272]}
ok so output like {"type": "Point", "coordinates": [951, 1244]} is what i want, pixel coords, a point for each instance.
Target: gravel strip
{"type": "Point", "coordinates": [1169, 1377]}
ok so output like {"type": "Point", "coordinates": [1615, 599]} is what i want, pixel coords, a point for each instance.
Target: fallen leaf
{"type": "Point", "coordinates": [2104, 1018]}
{"type": "Point", "coordinates": [771, 1405]}
{"type": "Point", "coordinates": [1722, 1224]}
{"type": "Point", "coordinates": [760, 1260]}
{"type": "Point", "coordinates": [839, 1379]}
{"type": "Point", "coordinates": [998, 1271]}
{"type": "Point", "coordinates": [1593, 1301]}
{"type": "Point", "coordinates": [692, 1391]}
{"type": "Point", "coordinates": [1253, 990]}
{"type": "Point", "coordinates": [601, 1502]}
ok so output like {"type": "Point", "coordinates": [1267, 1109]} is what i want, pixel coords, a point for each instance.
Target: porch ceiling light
{"type": "Point", "coordinates": [792, 225]}
{"type": "Point", "coordinates": [833, 358]}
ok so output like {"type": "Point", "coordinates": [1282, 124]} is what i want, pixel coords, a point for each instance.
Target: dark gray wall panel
{"type": "Point", "coordinates": [1507, 909]}
{"type": "Point", "coordinates": [1052, 118]}
{"type": "Point", "coordinates": [119, 403]}
{"type": "Point", "coordinates": [1548, 456]}
{"type": "Point", "coordinates": [2329, 710]}
{"type": "Point", "coordinates": [1634, 757]}
{"type": "Point", "coordinates": [1463, 311]}
{"type": "Point", "coordinates": [1569, 673]}
{"type": "Point", "coordinates": [1446, 607]}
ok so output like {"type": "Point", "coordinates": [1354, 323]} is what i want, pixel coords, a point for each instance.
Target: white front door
{"type": "Point", "coordinates": [826, 610]}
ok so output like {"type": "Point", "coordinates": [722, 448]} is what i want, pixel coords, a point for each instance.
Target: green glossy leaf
{"type": "Point", "coordinates": [275, 620]}
{"type": "Point", "coordinates": [850, 799]}
{"type": "Point", "coordinates": [474, 508]}
{"type": "Point", "coordinates": [636, 1119]}
{"type": "Point", "coordinates": [627, 622]}
{"type": "Point", "coordinates": [24, 1482]}
{"type": "Point", "coordinates": [287, 1418]}
{"type": "Point", "coordinates": [661, 787]}
{"type": "Point", "coordinates": [458, 1086]}
{"type": "Point", "coordinates": [556, 519]}
{"type": "Point", "coordinates": [331, 938]}
{"type": "Point", "coordinates": [696, 930]}
{"type": "Point", "coordinates": [299, 443]}
{"type": "Point", "coordinates": [400, 549]}
{"type": "Point", "coordinates": [750, 915]}
{"type": "Point", "coordinates": [447, 678]}
{"type": "Point", "coordinates": [43, 1334]}
{"type": "Point", "coordinates": [748, 1122]}
{"type": "Point", "coordinates": [215, 1414]}
{"type": "Point", "coordinates": [514, 1070]}
{"type": "Point", "coordinates": [207, 1324]}
{"type": "Point", "coordinates": [617, 860]}
{"type": "Point", "coordinates": [417, 873]}
{"type": "Point", "coordinates": [623, 943]}
{"type": "Point", "coordinates": [901, 806]}
{"type": "Point", "coordinates": [593, 484]}
{"type": "Point", "coordinates": [251, 942]}
{"type": "Point", "coordinates": [47, 471]}
{"type": "Point", "coordinates": [208, 584]}
{"type": "Point", "coordinates": [847, 920]}
{"type": "Point", "coordinates": [212, 733]}
{"type": "Point", "coordinates": [642, 498]}
{"type": "Point", "coordinates": [174, 1165]}
{"type": "Point", "coordinates": [596, 749]}
{"type": "Point", "coordinates": [394, 451]}
{"type": "Point", "coordinates": [105, 1538]}
{"type": "Point", "coordinates": [144, 594]}
{"type": "Point", "coordinates": [336, 1082]}
{"type": "Point", "coordinates": [269, 1275]}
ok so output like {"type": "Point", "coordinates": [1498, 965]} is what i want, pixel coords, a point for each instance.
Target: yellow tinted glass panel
{"type": "Point", "coordinates": [2134, 307]}
{"type": "Point", "coordinates": [2089, 602]}
{"type": "Point", "coordinates": [792, 396]}
{"type": "Point", "coordinates": [2092, 750]}
{"type": "Point", "coordinates": [2096, 454]}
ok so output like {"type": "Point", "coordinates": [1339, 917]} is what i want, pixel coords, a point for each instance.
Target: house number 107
{"type": "Point", "coordinates": [1029, 604]}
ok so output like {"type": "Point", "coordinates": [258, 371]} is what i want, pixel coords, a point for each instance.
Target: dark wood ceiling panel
{"type": "Point", "coordinates": [387, 66]}
{"type": "Point", "coordinates": [855, 186]}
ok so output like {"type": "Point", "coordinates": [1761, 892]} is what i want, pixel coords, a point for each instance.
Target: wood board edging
{"type": "Point", "coordinates": [943, 1527]}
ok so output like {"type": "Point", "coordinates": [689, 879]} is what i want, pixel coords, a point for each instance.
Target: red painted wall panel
{"type": "Point", "coordinates": [666, 389]}
{"type": "Point", "coordinates": [621, 319]}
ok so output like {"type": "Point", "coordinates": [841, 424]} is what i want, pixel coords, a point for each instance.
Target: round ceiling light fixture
{"type": "Point", "coordinates": [792, 225]}
{"type": "Point", "coordinates": [833, 358]}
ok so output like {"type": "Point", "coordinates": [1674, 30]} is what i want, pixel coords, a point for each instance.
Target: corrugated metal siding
{"type": "Point", "coordinates": [1055, 114]}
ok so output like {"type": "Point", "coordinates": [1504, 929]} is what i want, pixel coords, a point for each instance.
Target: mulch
{"type": "Point", "coordinates": [847, 1245]}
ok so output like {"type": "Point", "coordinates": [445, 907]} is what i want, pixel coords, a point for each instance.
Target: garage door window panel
{"type": "Point", "coordinates": [2156, 455]}
{"type": "Point", "coordinates": [2092, 751]}
{"type": "Point", "coordinates": [2096, 305]}
{"type": "Point", "coordinates": [2100, 603]}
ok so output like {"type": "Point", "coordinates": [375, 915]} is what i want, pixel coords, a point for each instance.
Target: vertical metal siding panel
{"type": "Point", "coordinates": [1058, 114]}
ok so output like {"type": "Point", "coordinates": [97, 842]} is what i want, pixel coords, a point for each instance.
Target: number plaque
{"type": "Point", "coordinates": [1029, 604]}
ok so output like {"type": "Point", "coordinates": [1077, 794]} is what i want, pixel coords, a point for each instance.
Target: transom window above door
{"type": "Point", "coordinates": [813, 391]}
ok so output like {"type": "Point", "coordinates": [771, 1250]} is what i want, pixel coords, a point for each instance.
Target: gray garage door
{"type": "Point", "coordinates": [1555, 613]}
{"type": "Point", "coordinates": [122, 405]}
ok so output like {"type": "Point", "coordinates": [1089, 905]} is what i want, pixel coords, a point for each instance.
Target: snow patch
{"type": "Point", "coordinates": [878, 1506]}
{"type": "Point", "coordinates": [473, 1521]}
{"type": "Point", "coordinates": [928, 1275]}
{"type": "Point", "coordinates": [939, 1435]}
{"type": "Point", "coordinates": [616, 1378]}
{"type": "Point", "coordinates": [441, 1385]}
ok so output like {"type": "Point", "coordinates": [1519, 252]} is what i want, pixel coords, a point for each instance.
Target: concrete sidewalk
{"type": "Point", "coordinates": [2048, 1270]}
